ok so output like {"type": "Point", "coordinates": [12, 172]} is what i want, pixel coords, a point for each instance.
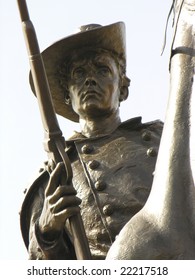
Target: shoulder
{"type": "Point", "coordinates": [153, 125]}
{"type": "Point", "coordinates": [136, 124]}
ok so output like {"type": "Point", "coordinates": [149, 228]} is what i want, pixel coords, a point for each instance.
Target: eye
{"type": "Point", "coordinates": [104, 71]}
{"type": "Point", "coordinates": [78, 73]}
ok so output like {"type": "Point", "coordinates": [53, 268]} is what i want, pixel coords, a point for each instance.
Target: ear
{"type": "Point", "coordinates": [67, 99]}
{"type": "Point", "coordinates": [124, 90]}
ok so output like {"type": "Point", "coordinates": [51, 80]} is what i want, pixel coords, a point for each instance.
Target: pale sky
{"type": "Point", "coordinates": [21, 148]}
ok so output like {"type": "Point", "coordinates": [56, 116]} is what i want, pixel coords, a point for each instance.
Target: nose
{"type": "Point", "coordinates": [90, 82]}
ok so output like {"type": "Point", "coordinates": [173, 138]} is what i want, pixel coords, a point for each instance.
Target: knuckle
{"type": "Point", "coordinates": [49, 200]}
{"type": "Point", "coordinates": [78, 200]}
{"type": "Point", "coordinates": [52, 208]}
{"type": "Point", "coordinates": [60, 190]}
{"type": "Point", "coordinates": [71, 189]}
{"type": "Point", "coordinates": [61, 201]}
{"type": "Point", "coordinates": [68, 212]}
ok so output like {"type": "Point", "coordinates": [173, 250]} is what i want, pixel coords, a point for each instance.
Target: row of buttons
{"type": "Point", "coordinates": [88, 149]}
{"type": "Point", "coordinates": [99, 184]}
{"type": "Point", "coordinates": [94, 164]}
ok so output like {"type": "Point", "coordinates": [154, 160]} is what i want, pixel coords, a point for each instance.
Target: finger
{"type": "Point", "coordinates": [62, 191]}
{"type": "Point", "coordinates": [54, 179]}
{"type": "Point", "coordinates": [65, 203]}
{"type": "Point", "coordinates": [67, 213]}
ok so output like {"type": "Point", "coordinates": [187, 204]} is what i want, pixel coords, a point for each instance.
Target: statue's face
{"type": "Point", "coordinates": [94, 86]}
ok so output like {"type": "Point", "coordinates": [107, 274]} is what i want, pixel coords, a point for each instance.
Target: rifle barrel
{"type": "Point", "coordinates": [55, 142]}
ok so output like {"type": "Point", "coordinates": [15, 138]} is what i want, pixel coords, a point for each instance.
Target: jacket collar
{"type": "Point", "coordinates": [128, 124]}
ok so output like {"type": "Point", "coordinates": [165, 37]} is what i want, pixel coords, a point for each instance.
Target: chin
{"type": "Point", "coordinates": [91, 106]}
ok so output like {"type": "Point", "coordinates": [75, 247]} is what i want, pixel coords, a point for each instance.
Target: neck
{"type": "Point", "coordinates": [99, 126]}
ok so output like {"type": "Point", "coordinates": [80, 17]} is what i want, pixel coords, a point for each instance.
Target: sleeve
{"type": "Point", "coordinates": [39, 249]}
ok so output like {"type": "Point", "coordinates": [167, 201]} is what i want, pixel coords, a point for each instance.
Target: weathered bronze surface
{"type": "Point", "coordinates": [113, 163]}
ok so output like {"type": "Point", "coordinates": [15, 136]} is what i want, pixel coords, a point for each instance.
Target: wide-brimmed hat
{"type": "Point", "coordinates": [109, 37]}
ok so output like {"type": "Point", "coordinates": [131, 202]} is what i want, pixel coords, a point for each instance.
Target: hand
{"type": "Point", "coordinates": [60, 203]}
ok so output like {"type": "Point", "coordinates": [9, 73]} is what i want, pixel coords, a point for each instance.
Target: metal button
{"type": "Point", "coordinates": [108, 210]}
{"type": "Point", "coordinates": [146, 135]}
{"type": "Point", "coordinates": [87, 149]}
{"type": "Point", "coordinates": [152, 152]}
{"type": "Point", "coordinates": [100, 185]}
{"type": "Point", "coordinates": [93, 164]}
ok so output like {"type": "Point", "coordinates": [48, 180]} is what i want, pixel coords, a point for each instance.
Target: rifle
{"type": "Point", "coordinates": [54, 142]}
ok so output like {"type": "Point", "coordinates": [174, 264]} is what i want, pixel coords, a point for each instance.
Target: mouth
{"type": "Point", "coordinates": [90, 94]}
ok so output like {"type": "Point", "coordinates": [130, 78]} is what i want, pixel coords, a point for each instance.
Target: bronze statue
{"type": "Point", "coordinates": [113, 163]}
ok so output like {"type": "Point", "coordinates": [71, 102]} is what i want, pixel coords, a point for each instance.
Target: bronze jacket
{"type": "Point", "coordinates": [112, 174]}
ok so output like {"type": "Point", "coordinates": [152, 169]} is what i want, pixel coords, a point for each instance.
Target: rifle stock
{"type": "Point", "coordinates": [54, 142]}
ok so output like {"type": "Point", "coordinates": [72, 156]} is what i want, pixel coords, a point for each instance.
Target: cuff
{"type": "Point", "coordinates": [44, 244]}
{"type": "Point", "coordinates": [58, 249]}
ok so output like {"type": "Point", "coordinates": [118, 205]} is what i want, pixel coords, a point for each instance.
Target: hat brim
{"type": "Point", "coordinates": [110, 37]}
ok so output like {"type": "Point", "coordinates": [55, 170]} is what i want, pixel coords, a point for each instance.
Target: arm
{"type": "Point", "coordinates": [50, 207]}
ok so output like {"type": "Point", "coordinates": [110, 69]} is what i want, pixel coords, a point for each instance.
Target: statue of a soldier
{"type": "Point", "coordinates": [113, 162]}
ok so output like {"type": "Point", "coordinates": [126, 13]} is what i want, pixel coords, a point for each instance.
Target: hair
{"type": "Point", "coordinates": [63, 72]}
